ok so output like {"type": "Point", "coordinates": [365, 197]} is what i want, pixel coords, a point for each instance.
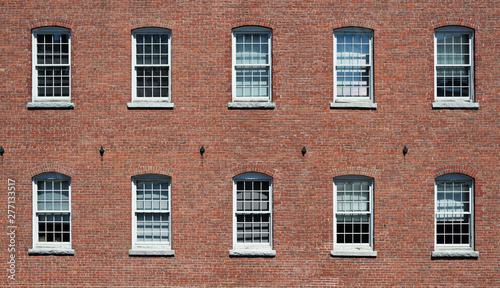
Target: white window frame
{"type": "Point", "coordinates": [353, 249]}
{"type": "Point", "coordinates": [34, 53]}
{"type": "Point", "coordinates": [455, 250]}
{"type": "Point", "coordinates": [353, 30]}
{"type": "Point", "coordinates": [144, 102]}
{"type": "Point", "coordinates": [50, 247]}
{"type": "Point", "coordinates": [460, 30]}
{"type": "Point", "coordinates": [251, 30]}
{"type": "Point", "coordinates": [252, 249]}
{"type": "Point", "coordinates": [151, 248]}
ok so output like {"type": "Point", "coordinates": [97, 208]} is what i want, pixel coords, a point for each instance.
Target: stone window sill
{"type": "Point", "coordinates": [353, 105]}
{"type": "Point", "coordinates": [51, 251]}
{"type": "Point", "coordinates": [151, 252]}
{"type": "Point", "coordinates": [150, 105]}
{"type": "Point", "coordinates": [50, 105]}
{"type": "Point", "coordinates": [252, 253]}
{"type": "Point", "coordinates": [251, 105]}
{"type": "Point", "coordinates": [454, 105]}
{"type": "Point", "coordinates": [455, 253]}
{"type": "Point", "coordinates": [353, 253]}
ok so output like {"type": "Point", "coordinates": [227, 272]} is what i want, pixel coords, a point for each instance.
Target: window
{"type": "Point", "coordinates": [51, 67]}
{"type": "Point", "coordinates": [454, 64]}
{"type": "Point", "coordinates": [353, 75]}
{"type": "Point", "coordinates": [151, 50]}
{"type": "Point", "coordinates": [51, 214]}
{"type": "Point", "coordinates": [353, 216]}
{"type": "Point", "coordinates": [252, 65]}
{"type": "Point", "coordinates": [252, 215]}
{"type": "Point", "coordinates": [151, 227]}
{"type": "Point", "coordinates": [454, 202]}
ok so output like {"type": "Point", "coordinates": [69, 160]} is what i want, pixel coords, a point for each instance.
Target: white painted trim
{"type": "Point", "coordinates": [251, 29]}
{"type": "Point", "coordinates": [49, 247]}
{"type": "Point", "coordinates": [34, 63]}
{"type": "Point", "coordinates": [151, 246]}
{"type": "Point", "coordinates": [338, 100]}
{"type": "Point", "coordinates": [437, 104]}
{"type": "Point", "coordinates": [340, 249]}
{"type": "Point", "coordinates": [252, 249]}
{"type": "Point", "coordinates": [140, 101]}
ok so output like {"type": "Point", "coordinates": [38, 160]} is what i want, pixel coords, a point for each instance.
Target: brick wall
{"type": "Point", "coordinates": [339, 142]}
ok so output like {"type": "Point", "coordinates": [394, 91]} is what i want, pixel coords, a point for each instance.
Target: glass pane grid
{"type": "Point", "coordinates": [153, 227]}
{"type": "Point", "coordinates": [54, 227]}
{"type": "Point", "coordinates": [353, 196]}
{"type": "Point", "coordinates": [453, 81]}
{"type": "Point", "coordinates": [53, 195]}
{"type": "Point", "coordinates": [252, 82]}
{"type": "Point", "coordinates": [453, 49]}
{"type": "Point", "coordinates": [353, 64]}
{"type": "Point", "coordinates": [453, 212]}
{"type": "Point", "coordinates": [252, 228]}
{"type": "Point", "coordinates": [152, 49]}
{"type": "Point", "coordinates": [252, 196]}
{"type": "Point", "coordinates": [353, 229]}
{"type": "Point", "coordinates": [353, 81]}
{"type": "Point", "coordinates": [252, 48]}
{"type": "Point", "coordinates": [152, 82]}
{"type": "Point", "coordinates": [153, 196]}
{"type": "Point", "coordinates": [52, 49]}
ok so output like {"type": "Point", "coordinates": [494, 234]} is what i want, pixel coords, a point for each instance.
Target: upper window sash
{"type": "Point", "coordinates": [151, 65]}
{"type": "Point", "coordinates": [454, 64]}
{"type": "Point", "coordinates": [353, 48]}
{"type": "Point", "coordinates": [252, 64]}
{"type": "Point", "coordinates": [51, 64]}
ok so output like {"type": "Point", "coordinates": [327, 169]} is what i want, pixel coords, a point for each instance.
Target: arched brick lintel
{"type": "Point", "coordinates": [44, 168]}
{"type": "Point", "coordinates": [362, 171]}
{"type": "Point", "coordinates": [50, 22]}
{"type": "Point", "coordinates": [461, 169]}
{"type": "Point", "coordinates": [252, 167]}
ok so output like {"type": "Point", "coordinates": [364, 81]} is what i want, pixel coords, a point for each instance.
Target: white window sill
{"type": "Point", "coordinates": [150, 105]}
{"type": "Point", "coordinates": [455, 252]}
{"type": "Point", "coordinates": [353, 105]}
{"type": "Point", "coordinates": [151, 252]}
{"type": "Point", "coordinates": [454, 105]}
{"type": "Point", "coordinates": [353, 253]}
{"type": "Point", "coordinates": [252, 253]}
{"type": "Point", "coordinates": [50, 105]}
{"type": "Point", "coordinates": [51, 251]}
{"type": "Point", "coordinates": [251, 105]}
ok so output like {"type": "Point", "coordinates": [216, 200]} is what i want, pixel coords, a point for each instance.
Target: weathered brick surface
{"type": "Point", "coordinates": [338, 142]}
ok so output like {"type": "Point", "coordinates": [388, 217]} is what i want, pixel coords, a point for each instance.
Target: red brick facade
{"type": "Point", "coordinates": [338, 142]}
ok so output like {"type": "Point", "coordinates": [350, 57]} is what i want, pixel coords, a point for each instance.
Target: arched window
{"type": "Point", "coordinates": [353, 216]}
{"type": "Point", "coordinates": [454, 216]}
{"type": "Point", "coordinates": [252, 215]}
{"type": "Point", "coordinates": [151, 215]}
{"type": "Point", "coordinates": [51, 214]}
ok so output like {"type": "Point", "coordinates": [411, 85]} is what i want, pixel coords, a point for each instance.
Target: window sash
{"type": "Point", "coordinates": [451, 88]}
{"type": "Point", "coordinates": [353, 86]}
{"type": "Point", "coordinates": [259, 56]}
{"type": "Point", "coordinates": [51, 87]}
{"type": "Point", "coordinates": [356, 230]}
{"type": "Point", "coordinates": [454, 228]}
{"type": "Point", "coordinates": [252, 229]}
{"type": "Point", "coordinates": [151, 189]}
{"type": "Point", "coordinates": [148, 87]}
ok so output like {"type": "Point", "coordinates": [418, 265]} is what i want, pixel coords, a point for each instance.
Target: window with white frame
{"type": "Point", "coordinates": [454, 64]}
{"type": "Point", "coordinates": [51, 211]}
{"type": "Point", "coordinates": [353, 216]}
{"type": "Point", "coordinates": [353, 75]}
{"type": "Point", "coordinates": [151, 217]}
{"type": "Point", "coordinates": [252, 213]}
{"type": "Point", "coordinates": [51, 64]}
{"type": "Point", "coordinates": [252, 64]}
{"type": "Point", "coordinates": [454, 202]}
{"type": "Point", "coordinates": [151, 58]}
